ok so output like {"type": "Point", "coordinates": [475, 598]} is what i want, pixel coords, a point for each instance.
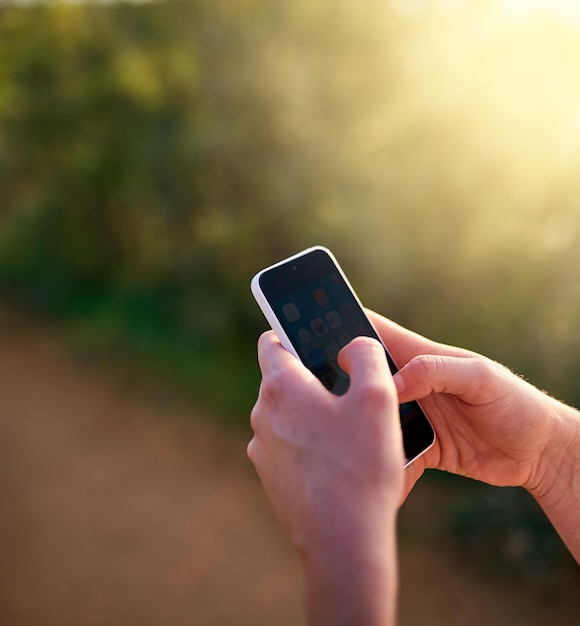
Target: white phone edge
{"type": "Point", "coordinates": [272, 318]}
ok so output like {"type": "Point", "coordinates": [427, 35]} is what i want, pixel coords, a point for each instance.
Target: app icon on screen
{"type": "Point", "coordinates": [344, 339]}
{"type": "Point", "coordinates": [304, 335]}
{"type": "Point", "coordinates": [320, 297]}
{"type": "Point", "coordinates": [332, 351]}
{"type": "Point", "coordinates": [333, 319]}
{"type": "Point", "coordinates": [319, 327]}
{"type": "Point", "coordinates": [291, 312]}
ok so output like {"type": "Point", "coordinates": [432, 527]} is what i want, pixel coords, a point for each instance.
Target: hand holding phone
{"type": "Point", "coordinates": [314, 312]}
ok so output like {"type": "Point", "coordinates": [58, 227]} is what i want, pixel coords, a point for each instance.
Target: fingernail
{"type": "Point", "coordinates": [399, 383]}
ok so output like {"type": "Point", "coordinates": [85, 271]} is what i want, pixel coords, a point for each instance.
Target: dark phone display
{"type": "Point", "coordinates": [320, 315]}
{"type": "Point", "coordinates": [319, 320]}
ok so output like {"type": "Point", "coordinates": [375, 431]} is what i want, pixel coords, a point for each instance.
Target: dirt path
{"type": "Point", "coordinates": [114, 512]}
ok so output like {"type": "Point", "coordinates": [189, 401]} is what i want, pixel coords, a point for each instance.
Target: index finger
{"type": "Point", "coordinates": [274, 358]}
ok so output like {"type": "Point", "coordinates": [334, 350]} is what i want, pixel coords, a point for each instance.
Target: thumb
{"type": "Point", "coordinates": [364, 360]}
{"type": "Point", "coordinates": [469, 378]}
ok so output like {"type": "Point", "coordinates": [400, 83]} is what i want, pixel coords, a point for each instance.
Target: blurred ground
{"type": "Point", "coordinates": [117, 510]}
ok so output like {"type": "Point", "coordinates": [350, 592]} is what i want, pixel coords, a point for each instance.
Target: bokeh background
{"type": "Point", "coordinates": [153, 157]}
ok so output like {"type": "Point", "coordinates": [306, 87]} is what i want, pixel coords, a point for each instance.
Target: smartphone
{"type": "Point", "coordinates": [310, 305]}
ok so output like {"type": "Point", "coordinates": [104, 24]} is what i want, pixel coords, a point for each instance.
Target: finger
{"type": "Point", "coordinates": [364, 360]}
{"type": "Point", "coordinates": [272, 356]}
{"type": "Point", "coordinates": [284, 377]}
{"type": "Point", "coordinates": [252, 451]}
{"type": "Point", "coordinates": [469, 378]}
{"type": "Point", "coordinates": [404, 344]}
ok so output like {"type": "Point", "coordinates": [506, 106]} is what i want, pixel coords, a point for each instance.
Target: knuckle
{"type": "Point", "coordinates": [251, 451]}
{"type": "Point", "coordinates": [425, 364]}
{"type": "Point", "coordinates": [270, 400]}
{"type": "Point", "coordinates": [374, 397]}
{"type": "Point", "coordinates": [488, 372]}
{"type": "Point", "coordinates": [428, 367]}
{"type": "Point", "coordinates": [272, 389]}
{"type": "Point", "coordinates": [256, 418]}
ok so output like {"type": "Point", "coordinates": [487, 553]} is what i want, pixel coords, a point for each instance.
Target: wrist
{"type": "Point", "coordinates": [350, 574]}
{"type": "Point", "coordinates": [558, 489]}
{"type": "Point", "coordinates": [557, 474]}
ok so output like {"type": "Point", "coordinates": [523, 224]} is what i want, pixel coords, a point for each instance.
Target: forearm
{"type": "Point", "coordinates": [558, 492]}
{"type": "Point", "coordinates": [351, 578]}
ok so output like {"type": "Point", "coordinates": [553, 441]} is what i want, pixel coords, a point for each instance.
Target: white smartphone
{"type": "Point", "coordinates": [312, 308]}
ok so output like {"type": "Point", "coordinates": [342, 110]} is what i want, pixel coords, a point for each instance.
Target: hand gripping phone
{"type": "Point", "coordinates": [310, 305]}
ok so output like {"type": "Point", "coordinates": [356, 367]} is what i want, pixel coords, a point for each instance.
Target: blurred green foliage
{"type": "Point", "coordinates": [154, 156]}
{"type": "Point", "coordinates": [504, 532]}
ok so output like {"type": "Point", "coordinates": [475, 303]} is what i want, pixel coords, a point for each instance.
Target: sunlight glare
{"type": "Point", "coordinates": [566, 10]}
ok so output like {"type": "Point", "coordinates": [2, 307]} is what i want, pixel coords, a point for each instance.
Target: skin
{"type": "Point", "coordinates": [491, 425]}
{"type": "Point", "coordinates": [332, 466]}
{"type": "Point", "coordinates": [332, 469]}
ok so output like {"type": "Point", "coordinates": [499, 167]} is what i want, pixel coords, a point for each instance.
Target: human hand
{"type": "Point", "coordinates": [332, 468]}
{"type": "Point", "coordinates": [491, 425]}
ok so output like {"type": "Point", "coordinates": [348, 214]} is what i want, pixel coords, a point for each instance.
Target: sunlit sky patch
{"type": "Point", "coordinates": [565, 10]}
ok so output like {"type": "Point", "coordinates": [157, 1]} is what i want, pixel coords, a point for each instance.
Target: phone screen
{"type": "Point", "coordinates": [320, 314]}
